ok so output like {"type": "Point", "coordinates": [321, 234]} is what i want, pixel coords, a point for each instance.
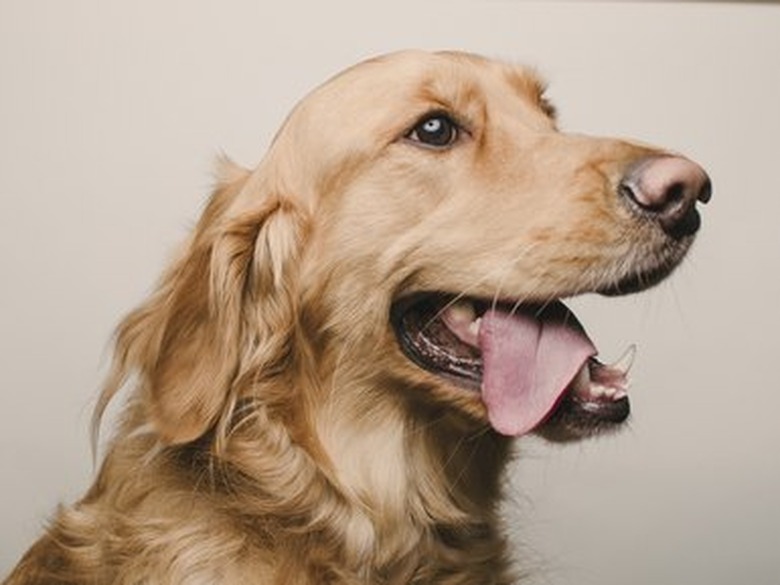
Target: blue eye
{"type": "Point", "coordinates": [437, 131]}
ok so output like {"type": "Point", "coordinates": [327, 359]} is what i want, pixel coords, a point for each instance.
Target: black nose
{"type": "Point", "coordinates": [667, 189]}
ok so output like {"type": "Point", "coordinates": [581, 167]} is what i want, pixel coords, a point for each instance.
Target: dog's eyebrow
{"type": "Point", "coordinates": [530, 84]}
{"type": "Point", "coordinates": [463, 102]}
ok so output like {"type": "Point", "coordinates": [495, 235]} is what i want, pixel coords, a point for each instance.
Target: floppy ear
{"type": "Point", "coordinates": [227, 302]}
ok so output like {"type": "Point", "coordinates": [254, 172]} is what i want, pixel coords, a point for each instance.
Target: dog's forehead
{"type": "Point", "coordinates": [395, 87]}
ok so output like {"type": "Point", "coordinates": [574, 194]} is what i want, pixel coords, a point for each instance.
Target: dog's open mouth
{"type": "Point", "coordinates": [530, 363]}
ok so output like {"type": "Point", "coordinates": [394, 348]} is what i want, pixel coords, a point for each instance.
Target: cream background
{"type": "Point", "coordinates": [110, 115]}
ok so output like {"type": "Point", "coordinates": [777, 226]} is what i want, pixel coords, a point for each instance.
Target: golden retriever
{"type": "Point", "coordinates": [327, 381]}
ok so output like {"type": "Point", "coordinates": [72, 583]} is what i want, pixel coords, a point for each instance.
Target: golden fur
{"type": "Point", "coordinates": [274, 432]}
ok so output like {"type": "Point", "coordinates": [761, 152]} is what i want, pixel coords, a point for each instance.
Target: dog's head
{"type": "Point", "coordinates": [414, 225]}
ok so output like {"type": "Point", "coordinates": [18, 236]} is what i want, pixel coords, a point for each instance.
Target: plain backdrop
{"type": "Point", "coordinates": [110, 116]}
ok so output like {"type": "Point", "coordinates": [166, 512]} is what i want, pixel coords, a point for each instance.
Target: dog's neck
{"type": "Point", "coordinates": [409, 476]}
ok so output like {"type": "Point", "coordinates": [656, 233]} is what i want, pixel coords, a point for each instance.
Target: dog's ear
{"type": "Point", "coordinates": [225, 307]}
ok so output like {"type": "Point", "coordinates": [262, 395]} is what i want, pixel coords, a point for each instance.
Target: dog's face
{"type": "Point", "coordinates": [449, 216]}
{"type": "Point", "coordinates": [415, 224]}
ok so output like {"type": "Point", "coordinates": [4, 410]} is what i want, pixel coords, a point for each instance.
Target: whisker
{"type": "Point", "coordinates": [504, 269]}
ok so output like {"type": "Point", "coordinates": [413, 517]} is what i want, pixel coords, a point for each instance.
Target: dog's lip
{"type": "Point", "coordinates": [660, 262]}
{"type": "Point", "coordinates": [638, 281]}
{"type": "Point", "coordinates": [447, 346]}
{"type": "Point", "coordinates": [414, 314]}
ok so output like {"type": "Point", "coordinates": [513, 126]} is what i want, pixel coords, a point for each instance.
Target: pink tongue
{"type": "Point", "coordinates": [528, 361]}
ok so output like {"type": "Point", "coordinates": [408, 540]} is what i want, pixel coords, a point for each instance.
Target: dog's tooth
{"type": "Point", "coordinates": [461, 312]}
{"type": "Point", "coordinates": [624, 362]}
{"type": "Point", "coordinates": [475, 325]}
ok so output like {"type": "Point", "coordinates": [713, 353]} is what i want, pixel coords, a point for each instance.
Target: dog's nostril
{"type": "Point", "coordinates": [675, 194]}
{"type": "Point", "coordinates": [667, 188]}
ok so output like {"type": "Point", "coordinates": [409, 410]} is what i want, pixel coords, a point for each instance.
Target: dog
{"type": "Point", "coordinates": [326, 385]}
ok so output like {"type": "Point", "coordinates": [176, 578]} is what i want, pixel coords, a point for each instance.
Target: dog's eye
{"type": "Point", "coordinates": [437, 131]}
